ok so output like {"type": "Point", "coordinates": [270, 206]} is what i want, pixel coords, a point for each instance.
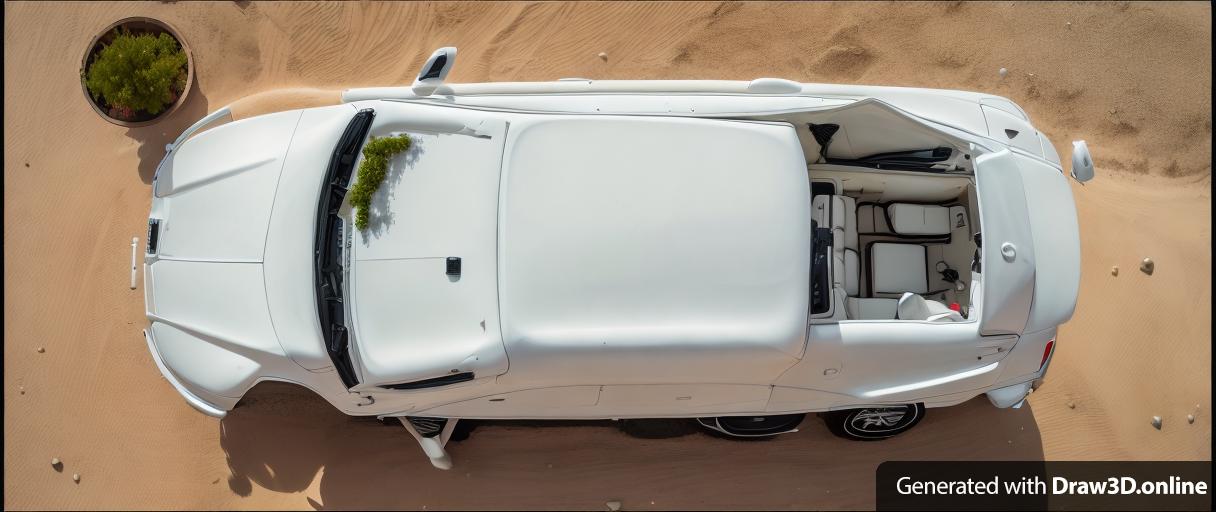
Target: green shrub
{"type": "Point", "coordinates": [371, 173]}
{"type": "Point", "coordinates": [138, 72]}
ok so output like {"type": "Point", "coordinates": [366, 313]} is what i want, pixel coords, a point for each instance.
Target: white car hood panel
{"type": "Point", "coordinates": [412, 321]}
{"type": "Point", "coordinates": [217, 190]}
{"type": "Point", "coordinates": [210, 323]}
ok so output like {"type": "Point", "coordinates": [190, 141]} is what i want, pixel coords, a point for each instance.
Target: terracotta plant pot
{"type": "Point", "coordinates": [135, 25]}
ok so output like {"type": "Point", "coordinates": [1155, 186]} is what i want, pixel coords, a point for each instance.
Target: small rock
{"type": "Point", "coordinates": [1190, 418]}
{"type": "Point", "coordinates": [1072, 405]}
{"type": "Point", "coordinates": [1114, 271]}
{"type": "Point", "coordinates": [1068, 25]}
{"type": "Point", "coordinates": [41, 350]}
{"type": "Point", "coordinates": [21, 389]}
{"type": "Point", "coordinates": [1003, 72]}
{"type": "Point", "coordinates": [613, 505]}
{"type": "Point", "coordinates": [55, 462]}
{"type": "Point", "coordinates": [27, 164]}
{"type": "Point", "coordinates": [1157, 422]}
{"type": "Point", "coordinates": [1010, 441]}
{"type": "Point", "coordinates": [1146, 266]}
{"type": "Point", "coordinates": [76, 477]}
{"type": "Point", "coordinates": [603, 56]}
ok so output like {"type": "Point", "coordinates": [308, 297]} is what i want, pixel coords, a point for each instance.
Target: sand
{"type": "Point", "coordinates": [1133, 79]}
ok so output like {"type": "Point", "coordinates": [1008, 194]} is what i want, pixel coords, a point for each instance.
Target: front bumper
{"type": "Point", "coordinates": [198, 403]}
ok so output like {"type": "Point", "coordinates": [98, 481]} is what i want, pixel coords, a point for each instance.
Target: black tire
{"type": "Point", "coordinates": [752, 427]}
{"type": "Point", "coordinates": [874, 423]}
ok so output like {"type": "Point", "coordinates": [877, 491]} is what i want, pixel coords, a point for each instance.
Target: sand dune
{"type": "Point", "coordinates": [1133, 79]}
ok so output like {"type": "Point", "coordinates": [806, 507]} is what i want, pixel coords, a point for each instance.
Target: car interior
{"type": "Point", "coordinates": [895, 253]}
{"type": "Point", "coordinates": [893, 204]}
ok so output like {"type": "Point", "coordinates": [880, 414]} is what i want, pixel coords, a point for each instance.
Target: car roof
{"type": "Point", "coordinates": [632, 235]}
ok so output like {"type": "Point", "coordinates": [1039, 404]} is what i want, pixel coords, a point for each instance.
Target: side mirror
{"type": "Point", "coordinates": [1082, 163]}
{"type": "Point", "coordinates": [435, 71]}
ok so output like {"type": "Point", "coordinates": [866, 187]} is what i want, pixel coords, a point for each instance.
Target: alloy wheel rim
{"type": "Point", "coordinates": [878, 420]}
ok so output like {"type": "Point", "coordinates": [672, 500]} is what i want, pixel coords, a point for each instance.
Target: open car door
{"type": "Point", "coordinates": [1031, 249]}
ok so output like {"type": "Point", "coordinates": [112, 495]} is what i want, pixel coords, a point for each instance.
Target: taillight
{"type": "Point", "coordinates": [1051, 344]}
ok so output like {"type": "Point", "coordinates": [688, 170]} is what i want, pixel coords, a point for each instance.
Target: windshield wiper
{"type": "Point", "coordinates": [327, 266]}
{"type": "Point", "coordinates": [913, 160]}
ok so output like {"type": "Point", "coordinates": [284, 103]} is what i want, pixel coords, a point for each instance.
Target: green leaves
{"type": "Point", "coordinates": [372, 170]}
{"type": "Point", "coordinates": [143, 72]}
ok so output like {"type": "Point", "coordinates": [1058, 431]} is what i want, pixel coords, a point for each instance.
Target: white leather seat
{"type": "Point", "coordinates": [896, 268]}
{"type": "Point", "coordinates": [914, 307]}
{"type": "Point", "coordinates": [919, 219]}
{"type": "Point", "coordinates": [840, 213]}
{"type": "Point", "coordinates": [871, 219]}
{"type": "Point", "coordinates": [871, 309]}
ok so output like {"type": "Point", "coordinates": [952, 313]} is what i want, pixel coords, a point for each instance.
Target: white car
{"type": "Point", "coordinates": [738, 252]}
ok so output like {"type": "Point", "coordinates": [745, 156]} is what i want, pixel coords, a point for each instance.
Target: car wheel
{"type": "Point", "coordinates": [874, 423]}
{"type": "Point", "coordinates": [753, 427]}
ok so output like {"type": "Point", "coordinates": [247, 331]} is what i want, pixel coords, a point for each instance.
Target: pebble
{"type": "Point", "coordinates": [1190, 418]}
{"type": "Point", "coordinates": [41, 350]}
{"type": "Point", "coordinates": [21, 389]}
{"type": "Point", "coordinates": [1114, 271]}
{"type": "Point", "coordinates": [1003, 72]}
{"type": "Point", "coordinates": [1146, 266]}
{"type": "Point", "coordinates": [76, 477]}
{"type": "Point", "coordinates": [55, 461]}
{"type": "Point", "coordinates": [603, 56]}
{"type": "Point", "coordinates": [1068, 25]}
{"type": "Point", "coordinates": [27, 164]}
{"type": "Point", "coordinates": [1157, 422]}
{"type": "Point", "coordinates": [1072, 405]}
{"type": "Point", "coordinates": [613, 505]}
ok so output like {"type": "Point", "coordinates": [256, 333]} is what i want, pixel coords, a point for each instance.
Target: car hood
{"type": "Point", "coordinates": [229, 286]}
{"type": "Point", "coordinates": [215, 193]}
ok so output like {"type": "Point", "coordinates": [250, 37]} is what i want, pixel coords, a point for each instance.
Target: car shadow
{"type": "Point", "coordinates": [282, 437]}
{"type": "Point", "coordinates": [152, 138]}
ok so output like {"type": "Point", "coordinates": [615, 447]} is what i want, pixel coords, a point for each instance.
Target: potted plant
{"type": "Point", "coordinates": [136, 72]}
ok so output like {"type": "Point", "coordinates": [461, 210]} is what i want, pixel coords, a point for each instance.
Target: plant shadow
{"type": "Point", "coordinates": [152, 138]}
{"type": "Point", "coordinates": [282, 437]}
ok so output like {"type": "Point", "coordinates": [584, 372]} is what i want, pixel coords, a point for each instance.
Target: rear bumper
{"type": "Point", "coordinates": [1013, 396]}
{"type": "Point", "coordinates": [1010, 396]}
{"type": "Point", "coordinates": [198, 403]}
